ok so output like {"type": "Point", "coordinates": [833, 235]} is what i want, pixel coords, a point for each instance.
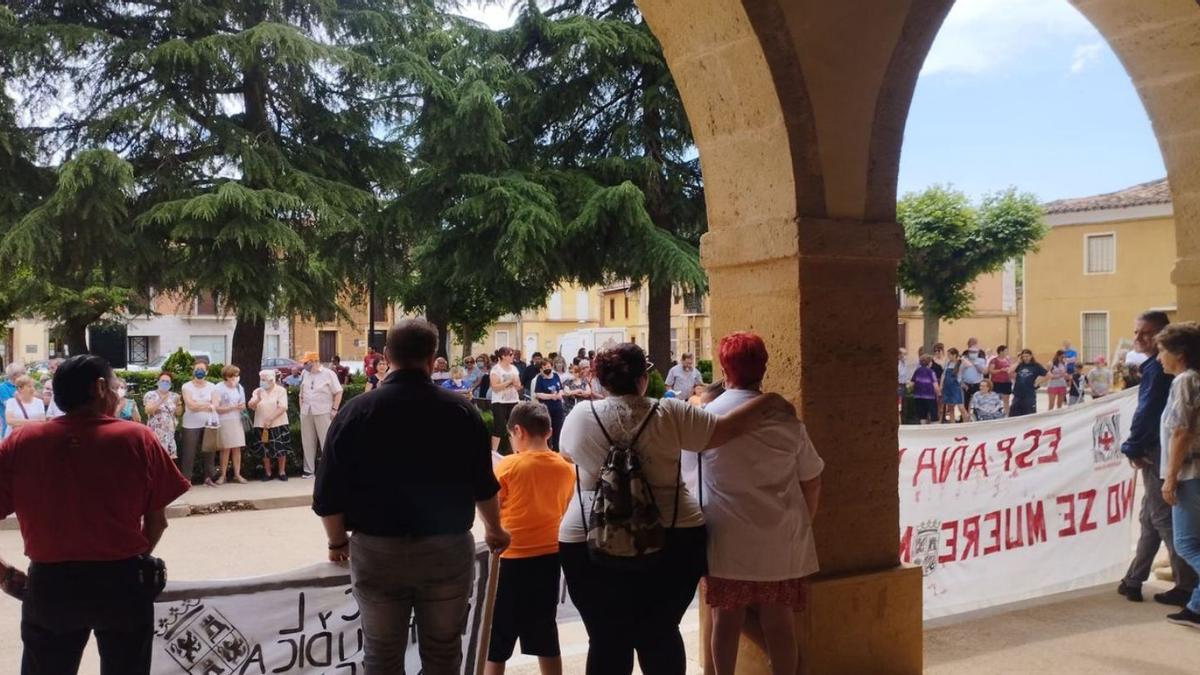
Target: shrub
{"type": "Point", "coordinates": [657, 386]}
{"type": "Point", "coordinates": [705, 366]}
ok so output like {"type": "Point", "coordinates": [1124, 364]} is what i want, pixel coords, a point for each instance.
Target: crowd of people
{"type": "Point", "coordinates": [635, 501]}
{"type": "Point", "coordinates": [949, 386]}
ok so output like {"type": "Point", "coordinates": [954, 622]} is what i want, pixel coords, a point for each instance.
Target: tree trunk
{"type": "Point", "coordinates": [659, 319]}
{"type": "Point", "coordinates": [75, 335]}
{"type": "Point", "coordinates": [932, 323]}
{"type": "Point", "coordinates": [466, 345]}
{"type": "Point", "coordinates": [434, 317]}
{"type": "Point", "coordinates": [248, 338]}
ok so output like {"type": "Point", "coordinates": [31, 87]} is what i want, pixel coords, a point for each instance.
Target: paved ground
{"type": "Point", "coordinates": [1092, 633]}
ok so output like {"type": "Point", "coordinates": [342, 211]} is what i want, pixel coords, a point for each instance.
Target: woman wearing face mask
{"type": "Point", "coordinates": [272, 437]}
{"type": "Point", "coordinates": [197, 408]}
{"type": "Point", "coordinates": [162, 407]}
{"type": "Point", "coordinates": [229, 400]}
{"type": "Point", "coordinates": [126, 409]}
{"type": "Point", "coordinates": [548, 390]}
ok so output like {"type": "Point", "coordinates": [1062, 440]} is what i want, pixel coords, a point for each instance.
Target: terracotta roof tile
{"type": "Point", "coordinates": [1154, 192]}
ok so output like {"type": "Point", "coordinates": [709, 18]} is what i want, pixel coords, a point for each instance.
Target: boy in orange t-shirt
{"type": "Point", "coordinates": [536, 484]}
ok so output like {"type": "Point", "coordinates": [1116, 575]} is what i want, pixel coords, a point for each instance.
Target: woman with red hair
{"type": "Point", "coordinates": [759, 493]}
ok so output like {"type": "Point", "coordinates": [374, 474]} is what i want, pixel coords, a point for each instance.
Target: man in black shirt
{"type": "Point", "coordinates": [406, 467]}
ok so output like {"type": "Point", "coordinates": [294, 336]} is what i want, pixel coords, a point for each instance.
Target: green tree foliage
{"type": "Point", "coordinates": [951, 242]}
{"type": "Point", "coordinates": [600, 112]}
{"type": "Point", "coordinates": [73, 257]}
{"type": "Point", "coordinates": [250, 128]}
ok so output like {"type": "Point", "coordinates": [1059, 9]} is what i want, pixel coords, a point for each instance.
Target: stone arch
{"type": "Point", "coordinates": [798, 108]}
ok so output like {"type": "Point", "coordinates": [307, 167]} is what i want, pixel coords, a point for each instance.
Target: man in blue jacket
{"type": "Point", "coordinates": [1144, 453]}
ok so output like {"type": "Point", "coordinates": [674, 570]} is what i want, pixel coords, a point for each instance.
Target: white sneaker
{"type": "Point", "coordinates": [306, 476]}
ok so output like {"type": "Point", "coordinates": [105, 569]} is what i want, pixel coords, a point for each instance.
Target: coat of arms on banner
{"type": "Point", "coordinates": [925, 548]}
{"type": "Point", "coordinates": [1106, 437]}
{"type": "Point", "coordinates": [201, 640]}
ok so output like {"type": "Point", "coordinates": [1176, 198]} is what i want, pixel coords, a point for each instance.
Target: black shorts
{"type": "Point", "coordinates": [526, 608]}
{"type": "Point", "coordinates": [926, 409]}
{"type": "Point", "coordinates": [1002, 388]}
{"type": "Point", "coordinates": [500, 413]}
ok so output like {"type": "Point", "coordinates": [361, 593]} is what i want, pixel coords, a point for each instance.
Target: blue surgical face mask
{"type": "Point", "coordinates": [266, 384]}
{"type": "Point", "coordinates": [199, 373]}
{"type": "Point", "coordinates": [164, 385]}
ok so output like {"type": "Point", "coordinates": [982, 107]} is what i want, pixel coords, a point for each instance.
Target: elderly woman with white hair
{"type": "Point", "coordinates": [272, 436]}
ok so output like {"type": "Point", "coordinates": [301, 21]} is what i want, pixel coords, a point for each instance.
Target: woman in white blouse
{"type": "Point", "coordinates": [25, 407]}
{"type": "Point", "coordinates": [638, 611]}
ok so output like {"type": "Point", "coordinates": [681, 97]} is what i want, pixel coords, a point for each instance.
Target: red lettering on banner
{"type": "Point", "coordinates": [1035, 520]}
{"type": "Point", "coordinates": [1011, 542]}
{"type": "Point", "coordinates": [906, 545]}
{"type": "Point", "coordinates": [1053, 437]}
{"type": "Point", "coordinates": [948, 459]}
{"type": "Point", "coordinates": [1127, 495]}
{"type": "Point", "coordinates": [1005, 446]}
{"type": "Point", "coordinates": [1068, 529]}
{"type": "Point", "coordinates": [994, 533]}
{"type": "Point", "coordinates": [978, 459]}
{"type": "Point", "coordinates": [1086, 524]}
{"type": "Point", "coordinates": [970, 535]}
{"type": "Point", "coordinates": [950, 541]}
{"type": "Point", "coordinates": [928, 461]}
{"type": "Point", "coordinates": [1113, 503]}
{"type": "Point", "coordinates": [1023, 459]}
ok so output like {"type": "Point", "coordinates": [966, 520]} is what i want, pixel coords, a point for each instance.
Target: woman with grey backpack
{"type": "Point", "coordinates": [633, 540]}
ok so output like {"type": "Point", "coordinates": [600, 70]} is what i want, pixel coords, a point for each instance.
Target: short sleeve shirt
{"type": "Point", "coordinates": [535, 489]}
{"type": "Point", "coordinates": [753, 502]}
{"type": "Point", "coordinates": [972, 369]}
{"type": "Point", "coordinates": [80, 486]}
{"type": "Point", "coordinates": [1182, 412]}
{"type": "Point", "coordinates": [675, 425]}
{"type": "Point", "coordinates": [317, 391]}
{"type": "Point", "coordinates": [270, 403]}
{"type": "Point", "coordinates": [200, 392]}
{"type": "Point", "coordinates": [923, 383]}
{"type": "Point", "coordinates": [34, 410]}
{"type": "Point", "coordinates": [509, 374]}
{"type": "Point", "coordinates": [1025, 379]}
{"type": "Point", "coordinates": [682, 380]}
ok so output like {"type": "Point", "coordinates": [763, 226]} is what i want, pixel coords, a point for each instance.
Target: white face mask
{"type": "Point", "coordinates": [267, 384]}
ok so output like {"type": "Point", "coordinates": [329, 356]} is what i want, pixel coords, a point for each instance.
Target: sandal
{"type": "Point", "coordinates": [239, 479]}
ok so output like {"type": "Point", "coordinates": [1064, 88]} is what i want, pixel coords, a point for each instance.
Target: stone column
{"type": "Point", "coordinates": [822, 294]}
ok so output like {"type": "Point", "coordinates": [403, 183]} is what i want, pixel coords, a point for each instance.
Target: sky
{"type": "Point", "coordinates": [1021, 93]}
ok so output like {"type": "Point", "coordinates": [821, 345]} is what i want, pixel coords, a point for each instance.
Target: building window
{"type": "Point", "coordinates": [1100, 253]}
{"type": "Point", "coordinates": [674, 343]}
{"type": "Point", "coordinates": [381, 313]}
{"type": "Point", "coordinates": [554, 307]}
{"type": "Point", "coordinates": [612, 308]}
{"type": "Point", "coordinates": [1095, 335]}
{"type": "Point", "coordinates": [693, 303]}
{"type": "Point", "coordinates": [326, 315]}
{"type": "Point", "coordinates": [582, 312]}
{"type": "Point", "coordinates": [271, 347]}
{"type": "Point", "coordinates": [139, 349]}
{"type": "Point", "coordinates": [501, 339]}
{"type": "Point", "coordinates": [206, 305]}
{"type": "Point", "coordinates": [699, 346]}
{"type": "Point", "coordinates": [627, 307]}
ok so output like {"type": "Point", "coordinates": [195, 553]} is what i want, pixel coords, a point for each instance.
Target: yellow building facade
{"type": "Point", "coordinates": [994, 318]}
{"type": "Point", "coordinates": [1105, 260]}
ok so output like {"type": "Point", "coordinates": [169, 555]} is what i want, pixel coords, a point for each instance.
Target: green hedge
{"type": "Point", "coordinates": [705, 367]}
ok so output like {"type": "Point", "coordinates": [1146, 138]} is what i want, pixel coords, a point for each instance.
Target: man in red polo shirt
{"type": "Point", "coordinates": [90, 494]}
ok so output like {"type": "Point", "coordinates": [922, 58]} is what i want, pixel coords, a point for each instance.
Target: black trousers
{"type": "Point", "coordinates": [627, 612]}
{"type": "Point", "coordinates": [66, 602]}
{"type": "Point", "coordinates": [557, 415]}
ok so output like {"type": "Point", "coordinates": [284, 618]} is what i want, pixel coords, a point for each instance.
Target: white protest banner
{"type": "Point", "coordinates": [303, 622]}
{"type": "Point", "coordinates": [1009, 510]}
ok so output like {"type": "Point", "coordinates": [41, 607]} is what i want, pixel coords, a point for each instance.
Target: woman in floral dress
{"type": "Point", "coordinates": [162, 407]}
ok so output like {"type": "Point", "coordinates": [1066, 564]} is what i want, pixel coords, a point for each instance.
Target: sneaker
{"type": "Point", "coordinates": [1176, 596]}
{"type": "Point", "coordinates": [1185, 618]}
{"type": "Point", "coordinates": [1131, 593]}
{"type": "Point", "coordinates": [306, 476]}
{"type": "Point", "coordinates": [283, 477]}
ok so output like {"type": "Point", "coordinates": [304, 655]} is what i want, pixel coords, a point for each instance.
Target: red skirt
{"type": "Point", "coordinates": [734, 594]}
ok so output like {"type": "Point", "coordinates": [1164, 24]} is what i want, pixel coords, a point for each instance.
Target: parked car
{"type": "Point", "coordinates": [156, 364]}
{"type": "Point", "coordinates": [281, 366]}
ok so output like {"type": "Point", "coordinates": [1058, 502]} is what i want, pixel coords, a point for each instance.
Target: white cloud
{"type": "Point", "coordinates": [1085, 55]}
{"type": "Point", "coordinates": [985, 35]}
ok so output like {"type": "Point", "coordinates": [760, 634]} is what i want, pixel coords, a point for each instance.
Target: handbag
{"type": "Point", "coordinates": [212, 434]}
{"type": "Point", "coordinates": [247, 425]}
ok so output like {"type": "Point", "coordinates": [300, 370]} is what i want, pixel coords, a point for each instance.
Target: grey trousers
{"type": "Point", "coordinates": [313, 429]}
{"type": "Point", "coordinates": [1155, 520]}
{"type": "Point", "coordinates": [190, 441]}
{"type": "Point", "coordinates": [395, 577]}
